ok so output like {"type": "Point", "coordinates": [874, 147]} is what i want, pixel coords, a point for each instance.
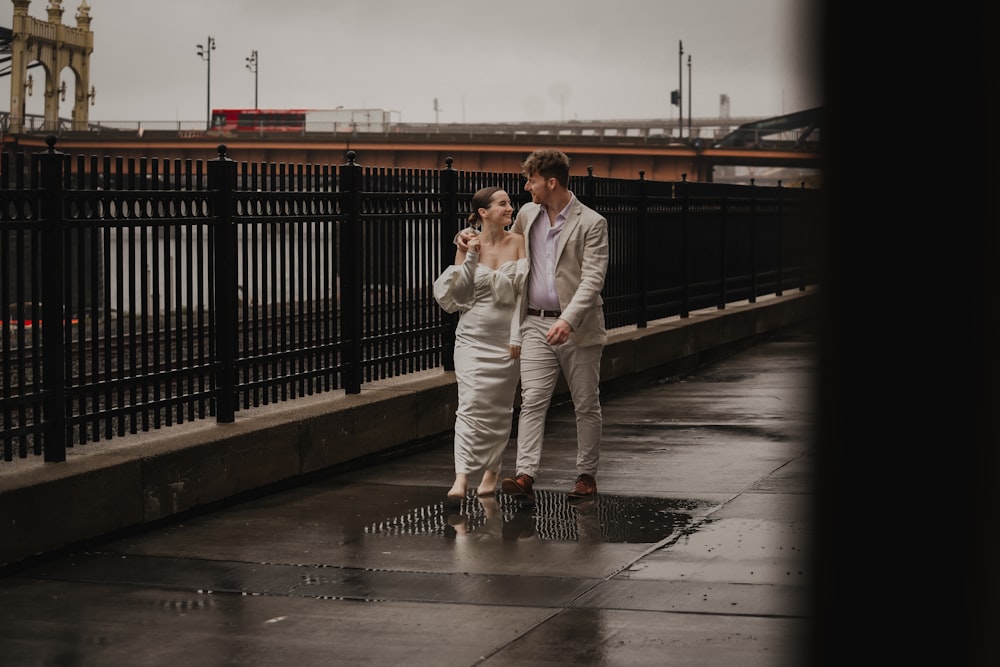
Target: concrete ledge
{"type": "Point", "coordinates": [103, 488]}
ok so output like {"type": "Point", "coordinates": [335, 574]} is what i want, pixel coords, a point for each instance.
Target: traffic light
{"type": "Point", "coordinates": [675, 97]}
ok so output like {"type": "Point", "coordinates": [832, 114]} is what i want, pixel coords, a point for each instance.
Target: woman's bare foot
{"type": "Point", "coordinates": [488, 486]}
{"type": "Point", "coordinates": [457, 490]}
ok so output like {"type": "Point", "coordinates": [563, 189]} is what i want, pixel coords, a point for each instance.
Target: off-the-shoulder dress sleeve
{"type": "Point", "coordinates": [455, 288]}
{"type": "Point", "coordinates": [520, 276]}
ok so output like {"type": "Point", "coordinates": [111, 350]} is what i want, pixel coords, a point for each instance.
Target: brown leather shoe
{"type": "Point", "coordinates": [520, 487]}
{"type": "Point", "coordinates": [585, 487]}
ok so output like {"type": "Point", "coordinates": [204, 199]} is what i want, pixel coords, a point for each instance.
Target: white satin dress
{"type": "Point", "coordinates": [488, 302]}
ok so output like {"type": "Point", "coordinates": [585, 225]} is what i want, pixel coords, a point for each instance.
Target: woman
{"type": "Point", "coordinates": [485, 286]}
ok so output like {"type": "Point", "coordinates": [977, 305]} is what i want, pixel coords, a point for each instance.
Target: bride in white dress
{"type": "Point", "coordinates": [485, 286]}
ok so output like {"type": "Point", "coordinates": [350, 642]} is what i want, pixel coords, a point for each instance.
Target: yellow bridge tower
{"type": "Point", "coordinates": [54, 47]}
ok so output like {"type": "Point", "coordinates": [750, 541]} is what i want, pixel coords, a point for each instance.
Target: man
{"type": "Point", "coordinates": [562, 319]}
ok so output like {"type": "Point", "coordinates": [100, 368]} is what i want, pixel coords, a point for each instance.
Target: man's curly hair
{"type": "Point", "coordinates": [548, 162]}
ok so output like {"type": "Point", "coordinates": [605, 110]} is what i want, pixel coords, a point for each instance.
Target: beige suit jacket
{"type": "Point", "coordinates": [581, 266]}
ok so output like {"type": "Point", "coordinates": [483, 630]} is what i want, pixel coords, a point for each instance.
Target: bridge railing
{"type": "Point", "coordinates": [647, 130]}
{"type": "Point", "coordinates": [139, 294]}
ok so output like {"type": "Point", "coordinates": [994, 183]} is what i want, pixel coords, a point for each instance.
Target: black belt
{"type": "Point", "coordinates": [544, 313]}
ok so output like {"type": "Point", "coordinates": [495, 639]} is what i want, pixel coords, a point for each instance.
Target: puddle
{"type": "Point", "coordinates": [606, 518]}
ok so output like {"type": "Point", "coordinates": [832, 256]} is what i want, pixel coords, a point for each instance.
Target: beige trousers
{"type": "Point", "coordinates": [541, 365]}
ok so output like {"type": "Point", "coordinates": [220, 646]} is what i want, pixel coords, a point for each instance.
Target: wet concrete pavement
{"type": "Point", "coordinates": [695, 552]}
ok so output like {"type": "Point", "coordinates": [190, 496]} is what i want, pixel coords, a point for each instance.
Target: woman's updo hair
{"type": "Point", "coordinates": [481, 200]}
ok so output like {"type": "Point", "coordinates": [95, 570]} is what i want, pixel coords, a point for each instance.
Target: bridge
{"type": "Point", "coordinates": [785, 148]}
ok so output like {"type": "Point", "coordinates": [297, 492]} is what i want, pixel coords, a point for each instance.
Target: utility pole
{"type": "Point", "coordinates": [689, 96]}
{"type": "Point", "coordinates": [205, 52]}
{"type": "Point", "coordinates": [680, 90]}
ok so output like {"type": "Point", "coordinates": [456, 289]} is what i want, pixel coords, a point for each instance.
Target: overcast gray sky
{"type": "Point", "coordinates": [483, 60]}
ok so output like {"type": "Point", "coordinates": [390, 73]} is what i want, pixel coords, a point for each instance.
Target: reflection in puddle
{"type": "Point", "coordinates": [606, 518]}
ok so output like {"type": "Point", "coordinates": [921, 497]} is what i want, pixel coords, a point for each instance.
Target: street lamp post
{"type": "Point", "coordinates": [252, 66]}
{"type": "Point", "coordinates": [205, 52]}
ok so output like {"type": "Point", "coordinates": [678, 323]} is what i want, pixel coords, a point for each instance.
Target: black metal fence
{"type": "Point", "coordinates": [182, 290]}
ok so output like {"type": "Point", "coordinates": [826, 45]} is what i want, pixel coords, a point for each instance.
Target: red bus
{"type": "Point", "coordinates": [259, 120]}
{"type": "Point", "coordinates": [301, 120]}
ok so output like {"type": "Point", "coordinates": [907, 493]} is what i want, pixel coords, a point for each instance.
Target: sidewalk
{"type": "Point", "coordinates": [695, 552]}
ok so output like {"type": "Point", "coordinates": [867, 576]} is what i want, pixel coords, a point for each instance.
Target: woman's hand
{"type": "Point", "coordinates": [515, 351]}
{"type": "Point", "coordinates": [463, 239]}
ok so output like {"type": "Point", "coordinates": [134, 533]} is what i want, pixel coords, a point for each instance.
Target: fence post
{"type": "Point", "coordinates": [753, 241]}
{"type": "Point", "coordinates": [51, 207]}
{"type": "Point", "coordinates": [781, 239]}
{"type": "Point", "coordinates": [222, 182]}
{"type": "Point", "coordinates": [643, 252]}
{"type": "Point", "coordinates": [805, 210]}
{"type": "Point", "coordinates": [351, 250]}
{"type": "Point", "coordinates": [685, 250]}
{"type": "Point", "coordinates": [589, 187]}
{"type": "Point", "coordinates": [449, 227]}
{"type": "Point", "coordinates": [723, 248]}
